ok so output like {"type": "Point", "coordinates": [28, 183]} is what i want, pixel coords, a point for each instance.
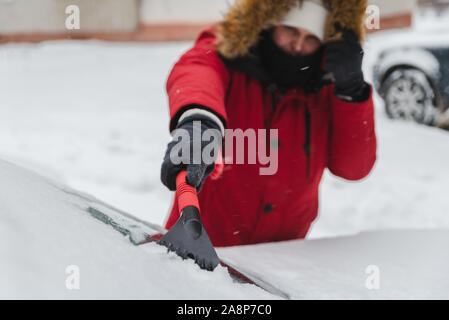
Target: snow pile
{"type": "Point", "coordinates": [374, 265]}
{"type": "Point", "coordinates": [45, 229]}
{"type": "Point", "coordinates": [92, 115]}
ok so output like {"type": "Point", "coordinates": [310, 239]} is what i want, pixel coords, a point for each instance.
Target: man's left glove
{"type": "Point", "coordinates": [185, 151]}
{"type": "Point", "coordinates": [344, 60]}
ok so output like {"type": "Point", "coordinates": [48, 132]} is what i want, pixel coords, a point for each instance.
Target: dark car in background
{"type": "Point", "coordinates": [413, 80]}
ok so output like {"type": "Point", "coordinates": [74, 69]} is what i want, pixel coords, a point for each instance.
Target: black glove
{"type": "Point", "coordinates": [344, 61]}
{"type": "Point", "coordinates": [196, 172]}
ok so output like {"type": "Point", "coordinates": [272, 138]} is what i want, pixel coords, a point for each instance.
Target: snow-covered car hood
{"type": "Point", "coordinates": [47, 237]}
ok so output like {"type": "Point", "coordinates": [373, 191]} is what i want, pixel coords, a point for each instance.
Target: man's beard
{"type": "Point", "coordinates": [287, 70]}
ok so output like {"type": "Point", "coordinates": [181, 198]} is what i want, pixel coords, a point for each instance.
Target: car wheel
{"type": "Point", "coordinates": [409, 95]}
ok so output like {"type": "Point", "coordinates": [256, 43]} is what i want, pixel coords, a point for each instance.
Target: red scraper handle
{"type": "Point", "coordinates": [186, 193]}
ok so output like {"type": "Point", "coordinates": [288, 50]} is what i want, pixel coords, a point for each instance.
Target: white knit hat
{"type": "Point", "coordinates": [311, 15]}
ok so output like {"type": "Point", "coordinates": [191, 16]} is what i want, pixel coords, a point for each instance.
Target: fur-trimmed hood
{"type": "Point", "coordinates": [240, 29]}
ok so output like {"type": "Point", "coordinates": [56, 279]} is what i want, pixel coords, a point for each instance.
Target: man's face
{"type": "Point", "coordinates": [295, 41]}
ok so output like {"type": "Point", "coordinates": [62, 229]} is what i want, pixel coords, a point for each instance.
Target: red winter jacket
{"type": "Point", "coordinates": [242, 206]}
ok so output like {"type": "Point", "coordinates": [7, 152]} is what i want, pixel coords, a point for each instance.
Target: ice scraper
{"type": "Point", "coordinates": [188, 238]}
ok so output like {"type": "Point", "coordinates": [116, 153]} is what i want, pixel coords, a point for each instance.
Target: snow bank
{"type": "Point", "coordinates": [373, 265]}
{"type": "Point", "coordinates": [93, 115]}
{"type": "Point", "coordinates": [45, 228]}
{"type": "Point", "coordinates": [406, 189]}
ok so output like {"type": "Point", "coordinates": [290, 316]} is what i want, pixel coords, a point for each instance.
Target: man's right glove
{"type": "Point", "coordinates": [185, 151]}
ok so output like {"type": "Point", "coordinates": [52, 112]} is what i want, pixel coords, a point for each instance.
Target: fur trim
{"type": "Point", "coordinates": [241, 27]}
{"type": "Point", "coordinates": [348, 14]}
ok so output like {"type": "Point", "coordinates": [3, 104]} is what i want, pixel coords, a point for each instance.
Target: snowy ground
{"type": "Point", "coordinates": [52, 248]}
{"type": "Point", "coordinates": [94, 115]}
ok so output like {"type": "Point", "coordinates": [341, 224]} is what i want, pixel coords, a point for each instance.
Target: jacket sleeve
{"type": "Point", "coordinates": [352, 148]}
{"type": "Point", "coordinates": [199, 78]}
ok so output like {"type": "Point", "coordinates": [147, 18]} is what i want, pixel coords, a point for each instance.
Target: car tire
{"type": "Point", "coordinates": [409, 95]}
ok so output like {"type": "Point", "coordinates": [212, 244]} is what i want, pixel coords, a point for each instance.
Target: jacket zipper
{"type": "Point", "coordinates": [306, 146]}
{"type": "Point", "coordinates": [272, 88]}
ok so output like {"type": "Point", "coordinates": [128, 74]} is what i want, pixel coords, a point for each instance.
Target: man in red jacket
{"type": "Point", "coordinates": [269, 65]}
